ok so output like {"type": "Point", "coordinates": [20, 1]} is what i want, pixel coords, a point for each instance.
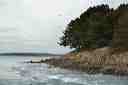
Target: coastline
{"type": "Point", "coordinates": [92, 62]}
{"type": "Point", "coordinates": [89, 69]}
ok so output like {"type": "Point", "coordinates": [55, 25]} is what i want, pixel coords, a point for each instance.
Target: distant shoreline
{"type": "Point", "coordinates": [29, 54]}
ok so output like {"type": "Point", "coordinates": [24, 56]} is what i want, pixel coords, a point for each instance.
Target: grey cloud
{"type": "Point", "coordinates": [26, 25]}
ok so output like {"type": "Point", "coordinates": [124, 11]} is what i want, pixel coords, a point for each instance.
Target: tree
{"type": "Point", "coordinates": [120, 37]}
{"type": "Point", "coordinates": [93, 29]}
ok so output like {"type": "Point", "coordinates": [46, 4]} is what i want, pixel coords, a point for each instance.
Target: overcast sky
{"type": "Point", "coordinates": [36, 25]}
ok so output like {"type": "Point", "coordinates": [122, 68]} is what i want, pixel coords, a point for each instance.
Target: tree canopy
{"type": "Point", "coordinates": [93, 29]}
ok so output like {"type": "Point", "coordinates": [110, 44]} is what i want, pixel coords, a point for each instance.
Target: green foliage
{"type": "Point", "coordinates": [93, 29]}
{"type": "Point", "coordinates": [119, 11]}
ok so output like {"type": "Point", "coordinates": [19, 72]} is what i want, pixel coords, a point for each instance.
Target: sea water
{"type": "Point", "coordinates": [13, 71]}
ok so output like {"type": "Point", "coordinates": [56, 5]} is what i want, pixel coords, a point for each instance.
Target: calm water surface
{"type": "Point", "coordinates": [14, 72]}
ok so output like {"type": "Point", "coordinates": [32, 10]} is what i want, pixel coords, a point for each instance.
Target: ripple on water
{"type": "Point", "coordinates": [41, 74]}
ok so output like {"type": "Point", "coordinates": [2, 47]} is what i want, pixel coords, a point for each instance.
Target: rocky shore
{"type": "Point", "coordinates": [93, 62]}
